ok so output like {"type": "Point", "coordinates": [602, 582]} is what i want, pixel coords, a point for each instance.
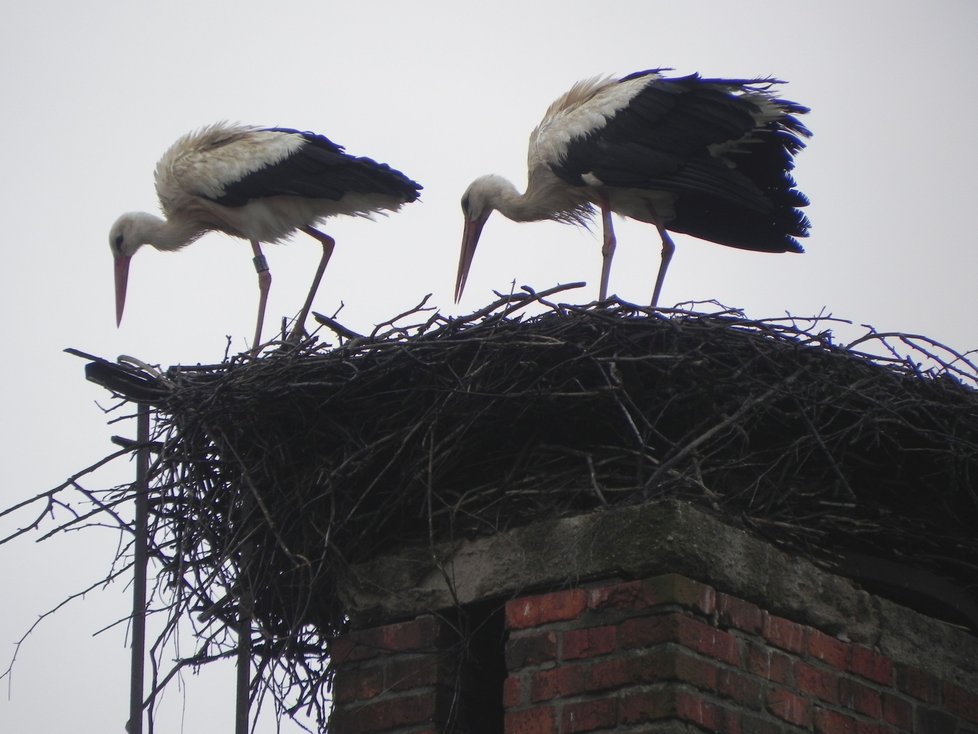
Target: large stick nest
{"type": "Point", "coordinates": [277, 473]}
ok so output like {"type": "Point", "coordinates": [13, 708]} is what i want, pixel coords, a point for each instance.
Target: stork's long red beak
{"type": "Point", "coordinates": [121, 279]}
{"type": "Point", "coordinates": [470, 239]}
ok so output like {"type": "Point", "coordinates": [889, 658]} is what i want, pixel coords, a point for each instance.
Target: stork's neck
{"type": "Point", "coordinates": [530, 206]}
{"type": "Point", "coordinates": [165, 234]}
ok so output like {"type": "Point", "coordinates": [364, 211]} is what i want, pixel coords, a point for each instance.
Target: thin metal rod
{"type": "Point", "coordinates": [243, 694]}
{"type": "Point", "coordinates": [245, 603]}
{"type": "Point", "coordinates": [140, 563]}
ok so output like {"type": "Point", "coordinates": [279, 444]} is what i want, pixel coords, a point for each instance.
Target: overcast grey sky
{"type": "Point", "coordinates": [93, 93]}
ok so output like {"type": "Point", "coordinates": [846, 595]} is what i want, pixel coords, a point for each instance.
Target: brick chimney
{"type": "Point", "coordinates": [675, 623]}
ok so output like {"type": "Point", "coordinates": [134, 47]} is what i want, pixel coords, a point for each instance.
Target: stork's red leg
{"type": "Point", "coordinates": [264, 283]}
{"type": "Point", "coordinates": [668, 247]}
{"type": "Point", "coordinates": [328, 243]}
{"type": "Point", "coordinates": [607, 248]}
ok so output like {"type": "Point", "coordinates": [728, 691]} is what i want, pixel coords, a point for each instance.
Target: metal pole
{"type": "Point", "coordinates": [243, 694]}
{"type": "Point", "coordinates": [245, 615]}
{"type": "Point", "coordinates": [140, 562]}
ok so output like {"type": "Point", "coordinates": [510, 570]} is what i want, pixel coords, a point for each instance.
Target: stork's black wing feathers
{"type": "Point", "coordinates": [679, 136]}
{"type": "Point", "coordinates": [320, 169]}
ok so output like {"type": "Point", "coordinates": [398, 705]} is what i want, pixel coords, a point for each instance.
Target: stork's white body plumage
{"type": "Point", "coordinates": [709, 157]}
{"type": "Point", "coordinates": [259, 184]}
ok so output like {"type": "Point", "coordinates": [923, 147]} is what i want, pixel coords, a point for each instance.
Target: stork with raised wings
{"type": "Point", "coordinates": [259, 184]}
{"type": "Point", "coordinates": [707, 157]}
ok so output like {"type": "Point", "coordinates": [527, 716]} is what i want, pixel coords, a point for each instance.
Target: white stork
{"type": "Point", "coordinates": [707, 157]}
{"type": "Point", "coordinates": [260, 184]}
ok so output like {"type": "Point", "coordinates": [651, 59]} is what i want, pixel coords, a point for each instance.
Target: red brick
{"type": "Point", "coordinates": [653, 592]}
{"type": "Point", "coordinates": [350, 649]}
{"type": "Point", "coordinates": [558, 606]}
{"type": "Point", "coordinates": [770, 664]}
{"type": "Point", "coordinates": [418, 634]}
{"type": "Point", "coordinates": [871, 727]}
{"type": "Point", "coordinates": [832, 722]}
{"type": "Point", "coordinates": [407, 710]}
{"type": "Point", "coordinates": [587, 677]}
{"type": "Point", "coordinates": [358, 683]}
{"type": "Point", "coordinates": [423, 633]}
{"type": "Point", "coordinates": [589, 715]}
{"type": "Point", "coordinates": [758, 660]}
{"type": "Point", "coordinates": [651, 666]}
{"type": "Point", "coordinates": [871, 665]}
{"type": "Point", "coordinates": [645, 631]}
{"type": "Point", "coordinates": [670, 704]}
{"type": "Point", "coordinates": [692, 707]}
{"type": "Point", "coordinates": [756, 725]}
{"type": "Point", "coordinates": [741, 688]}
{"type": "Point", "coordinates": [785, 634]}
{"type": "Point", "coordinates": [579, 678]}
{"type": "Point", "coordinates": [708, 640]}
{"type": "Point", "coordinates": [689, 669]}
{"type": "Point", "coordinates": [734, 612]}
{"type": "Point", "coordinates": [897, 711]}
{"type": "Point", "coordinates": [344, 650]}
{"type": "Point", "coordinates": [781, 668]}
{"type": "Point", "coordinates": [627, 596]}
{"type": "Point", "coordinates": [788, 706]}
{"type": "Point", "coordinates": [531, 721]}
{"type": "Point", "coordinates": [414, 672]}
{"type": "Point", "coordinates": [858, 697]}
{"type": "Point", "coordinates": [530, 648]}
{"type": "Point", "coordinates": [646, 706]}
{"type": "Point", "coordinates": [917, 683]}
{"type": "Point", "coordinates": [820, 683]}
{"type": "Point", "coordinates": [828, 649]}
{"type": "Point", "coordinates": [543, 685]}
{"type": "Point", "coordinates": [732, 722]}
{"type": "Point", "coordinates": [588, 642]}
{"type": "Point", "coordinates": [513, 692]}
{"type": "Point", "coordinates": [386, 714]}
{"type": "Point", "coordinates": [961, 702]}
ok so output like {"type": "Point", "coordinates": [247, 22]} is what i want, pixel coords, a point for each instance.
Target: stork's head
{"type": "Point", "coordinates": [480, 199]}
{"type": "Point", "coordinates": [130, 232]}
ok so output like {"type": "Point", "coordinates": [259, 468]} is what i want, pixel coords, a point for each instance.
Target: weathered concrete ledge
{"type": "Point", "coordinates": [645, 540]}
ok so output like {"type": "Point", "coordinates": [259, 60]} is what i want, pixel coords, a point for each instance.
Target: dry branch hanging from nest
{"type": "Point", "coordinates": [275, 474]}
